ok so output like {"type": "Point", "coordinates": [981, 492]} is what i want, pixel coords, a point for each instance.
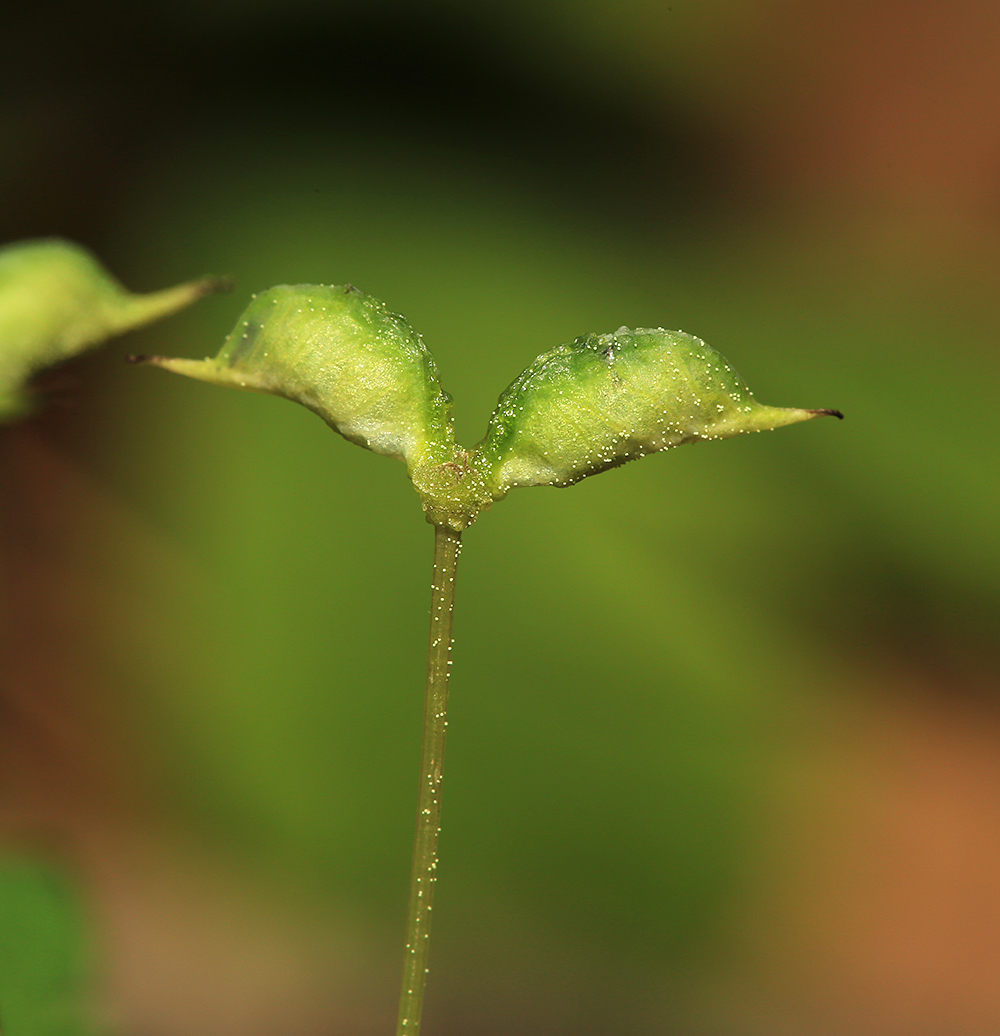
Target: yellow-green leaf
{"type": "Point", "coordinates": [343, 355]}
{"type": "Point", "coordinates": [607, 399]}
{"type": "Point", "coordinates": [56, 301]}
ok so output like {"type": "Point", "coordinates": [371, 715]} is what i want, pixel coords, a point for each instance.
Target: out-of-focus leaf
{"type": "Point", "coordinates": [607, 399]}
{"type": "Point", "coordinates": [56, 301]}
{"type": "Point", "coordinates": [343, 355]}
{"type": "Point", "coordinates": [42, 961]}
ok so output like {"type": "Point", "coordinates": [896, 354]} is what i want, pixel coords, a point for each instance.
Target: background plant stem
{"type": "Point", "coordinates": [447, 547]}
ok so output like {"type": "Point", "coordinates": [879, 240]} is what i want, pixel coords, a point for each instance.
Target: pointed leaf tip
{"type": "Point", "coordinates": [604, 400]}
{"type": "Point", "coordinates": [56, 300]}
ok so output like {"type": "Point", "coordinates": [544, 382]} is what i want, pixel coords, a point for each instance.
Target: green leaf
{"type": "Point", "coordinates": [607, 399]}
{"type": "Point", "coordinates": [43, 963]}
{"type": "Point", "coordinates": [56, 301]}
{"type": "Point", "coordinates": [343, 355]}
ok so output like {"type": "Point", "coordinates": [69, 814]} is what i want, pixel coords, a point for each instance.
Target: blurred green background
{"type": "Point", "coordinates": [724, 755]}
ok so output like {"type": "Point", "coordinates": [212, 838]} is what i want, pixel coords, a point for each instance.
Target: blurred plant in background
{"type": "Point", "coordinates": [755, 684]}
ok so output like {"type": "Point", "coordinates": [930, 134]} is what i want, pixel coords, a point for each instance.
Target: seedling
{"type": "Point", "coordinates": [580, 409]}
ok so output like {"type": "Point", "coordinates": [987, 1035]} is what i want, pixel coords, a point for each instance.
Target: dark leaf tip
{"type": "Point", "coordinates": [216, 285]}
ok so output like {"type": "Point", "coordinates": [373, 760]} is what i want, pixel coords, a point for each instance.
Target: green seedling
{"type": "Point", "coordinates": [580, 409]}
{"type": "Point", "coordinates": [56, 301]}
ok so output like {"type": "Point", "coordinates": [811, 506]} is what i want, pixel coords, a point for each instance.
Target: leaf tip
{"type": "Point", "coordinates": [215, 285]}
{"type": "Point", "coordinates": [202, 370]}
{"type": "Point", "coordinates": [828, 413]}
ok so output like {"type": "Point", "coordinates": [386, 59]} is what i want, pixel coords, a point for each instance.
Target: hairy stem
{"type": "Point", "coordinates": [447, 546]}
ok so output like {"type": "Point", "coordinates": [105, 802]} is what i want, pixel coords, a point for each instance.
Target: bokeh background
{"type": "Point", "coordinates": [725, 751]}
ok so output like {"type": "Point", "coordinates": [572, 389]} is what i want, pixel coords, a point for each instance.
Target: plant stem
{"type": "Point", "coordinates": [447, 547]}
